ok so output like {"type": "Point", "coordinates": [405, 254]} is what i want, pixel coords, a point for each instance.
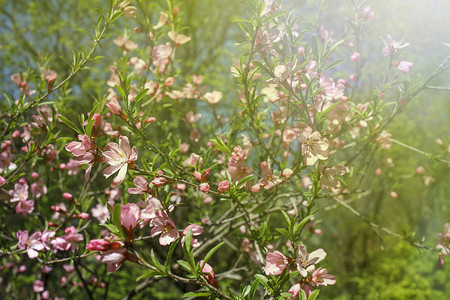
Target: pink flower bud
{"type": "Point", "coordinates": [169, 81]}
{"type": "Point", "coordinates": [204, 187]}
{"type": "Point", "coordinates": [352, 77]}
{"type": "Point", "coordinates": [159, 181]}
{"type": "Point", "coordinates": [223, 186]}
{"type": "Point", "coordinates": [99, 245]}
{"type": "Point", "coordinates": [287, 172]}
{"type": "Point", "coordinates": [197, 175]}
{"type": "Point", "coordinates": [15, 134]}
{"type": "Point", "coordinates": [393, 194]}
{"type": "Point", "coordinates": [378, 172]}
{"type": "Point", "coordinates": [355, 56]}
{"type": "Point", "coordinates": [98, 119]}
{"type": "Point", "coordinates": [420, 170]}
{"type": "Point", "coordinates": [68, 196]}
{"type": "Point", "coordinates": [35, 175]}
{"type": "Point", "coordinates": [83, 216]}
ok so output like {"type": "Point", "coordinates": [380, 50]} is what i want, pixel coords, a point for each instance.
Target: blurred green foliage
{"type": "Point", "coordinates": [366, 265]}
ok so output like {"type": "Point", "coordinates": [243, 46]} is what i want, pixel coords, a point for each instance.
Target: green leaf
{"type": "Point", "coordinates": [70, 124]}
{"type": "Point", "coordinates": [116, 220]}
{"type": "Point", "coordinates": [262, 279]}
{"type": "Point", "coordinates": [187, 249]}
{"type": "Point", "coordinates": [185, 265]}
{"type": "Point", "coordinates": [314, 295]}
{"type": "Point", "coordinates": [300, 225]}
{"type": "Point", "coordinates": [169, 255]}
{"type": "Point", "coordinates": [156, 263]}
{"type": "Point", "coordinates": [286, 217]}
{"type": "Point", "coordinates": [321, 115]}
{"type": "Point", "coordinates": [284, 232]}
{"type": "Point", "coordinates": [273, 16]}
{"type": "Point", "coordinates": [85, 32]}
{"type": "Point", "coordinates": [334, 64]}
{"type": "Point", "coordinates": [140, 96]}
{"type": "Point", "coordinates": [121, 92]}
{"type": "Point", "coordinates": [302, 295]}
{"type": "Point", "coordinates": [150, 273]}
{"type": "Point", "coordinates": [243, 180]}
{"type": "Point", "coordinates": [196, 294]}
{"type": "Point", "coordinates": [210, 253]}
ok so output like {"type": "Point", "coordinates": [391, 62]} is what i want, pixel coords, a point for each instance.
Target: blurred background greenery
{"type": "Point", "coordinates": [367, 265]}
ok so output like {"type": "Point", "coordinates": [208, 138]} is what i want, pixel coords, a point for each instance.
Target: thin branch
{"type": "Point", "coordinates": [429, 155]}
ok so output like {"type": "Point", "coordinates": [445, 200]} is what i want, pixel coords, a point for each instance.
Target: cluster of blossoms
{"type": "Point", "coordinates": [38, 241]}
{"type": "Point", "coordinates": [115, 251]}
{"type": "Point", "coordinates": [305, 262]}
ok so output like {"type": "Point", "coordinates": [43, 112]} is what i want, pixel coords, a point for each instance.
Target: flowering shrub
{"type": "Point", "coordinates": [217, 193]}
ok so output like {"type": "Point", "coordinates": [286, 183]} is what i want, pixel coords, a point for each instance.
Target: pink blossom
{"type": "Point", "coordinates": [287, 172]}
{"type": "Point", "coordinates": [60, 243]}
{"type": "Point", "coordinates": [329, 177]}
{"type": "Point", "coordinates": [72, 237]}
{"type": "Point", "coordinates": [314, 147]}
{"type": "Point", "coordinates": [43, 118]}
{"type": "Point", "coordinates": [192, 160]}
{"type": "Point", "coordinates": [178, 38]}
{"type": "Point", "coordinates": [321, 277]}
{"type": "Point", "coordinates": [114, 259]}
{"type": "Point", "coordinates": [38, 286]}
{"type": "Point", "coordinates": [195, 135]}
{"type": "Point", "coordinates": [100, 212]}
{"type": "Point", "coordinates": [38, 188]}
{"type": "Point", "coordinates": [289, 134]}
{"type": "Point", "coordinates": [163, 17]}
{"type": "Point", "coordinates": [125, 43]}
{"type": "Point", "coordinates": [164, 226]}
{"type": "Point", "coordinates": [118, 156]}
{"type": "Point", "coordinates": [25, 207]}
{"type": "Point", "coordinates": [149, 212]}
{"type": "Point", "coordinates": [295, 290]}
{"type": "Point", "coordinates": [141, 186]}
{"type": "Point", "coordinates": [444, 242]}
{"type": "Point", "coordinates": [367, 13]}
{"type": "Point", "coordinates": [68, 268]}
{"type": "Point", "coordinates": [405, 66]}
{"type": "Point", "coordinates": [161, 56]}
{"type": "Point", "coordinates": [72, 167]}
{"type": "Point", "coordinates": [391, 46]}
{"type": "Point", "coordinates": [32, 243]}
{"type": "Point", "coordinates": [83, 150]}
{"type": "Point", "coordinates": [305, 262]}
{"type": "Point", "coordinates": [114, 106]}
{"type": "Point", "coordinates": [130, 215]}
{"type": "Point", "coordinates": [223, 186]}
{"type": "Point", "coordinates": [196, 230]}
{"type": "Point", "coordinates": [213, 97]}
{"type": "Point", "coordinates": [276, 262]}
{"type": "Point", "coordinates": [20, 192]}
{"type": "Point", "coordinates": [192, 117]}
